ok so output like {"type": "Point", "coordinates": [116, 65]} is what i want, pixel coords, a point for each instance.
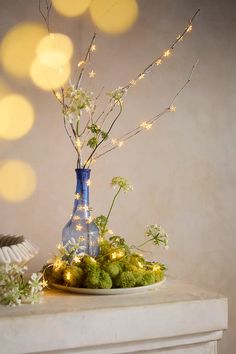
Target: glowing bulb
{"type": "Point", "coordinates": [190, 27]}
{"type": "Point", "coordinates": [113, 255]}
{"type": "Point", "coordinates": [77, 196]}
{"type": "Point", "coordinates": [92, 74]}
{"type": "Point", "coordinates": [44, 283]}
{"type": "Point", "coordinates": [156, 267]}
{"type": "Point", "coordinates": [92, 260]}
{"type": "Point", "coordinates": [68, 275]}
{"type": "Point", "coordinates": [120, 143]}
{"type": "Point", "coordinates": [132, 82]}
{"type": "Point", "coordinates": [110, 232]}
{"type": "Point", "coordinates": [167, 53]}
{"type": "Point", "coordinates": [141, 76]}
{"type": "Point", "coordinates": [78, 227]}
{"type": "Point", "coordinates": [76, 217]}
{"type": "Point", "coordinates": [146, 125]}
{"type": "Point", "coordinates": [89, 220]}
{"type": "Point", "coordinates": [78, 143]}
{"type": "Point", "coordinates": [93, 48]}
{"type": "Point", "coordinates": [77, 259]}
{"type": "Point", "coordinates": [80, 63]}
{"type": "Point", "coordinates": [172, 108]}
{"type": "Point", "coordinates": [114, 141]}
{"type": "Point", "coordinates": [58, 96]}
{"type": "Point", "coordinates": [158, 62]}
{"type": "Point", "coordinates": [140, 264]}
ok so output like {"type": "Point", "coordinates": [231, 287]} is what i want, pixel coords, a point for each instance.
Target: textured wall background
{"type": "Point", "coordinates": [183, 170]}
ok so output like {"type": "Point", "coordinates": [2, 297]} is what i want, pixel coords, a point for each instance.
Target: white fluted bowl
{"type": "Point", "coordinates": [16, 250]}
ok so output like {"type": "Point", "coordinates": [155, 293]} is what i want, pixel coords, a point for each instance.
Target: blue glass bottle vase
{"type": "Point", "coordinates": [80, 228]}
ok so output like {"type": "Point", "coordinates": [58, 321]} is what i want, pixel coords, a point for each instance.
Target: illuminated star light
{"type": "Point", "coordinates": [190, 27]}
{"type": "Point", "coordinates": [76, 217]}
{"type": "Point", "coordinates": [158, 62]}
{"type": "Point", "coordinates": [146, 125]}
{"type": "Point", "coordinates": [80, 63]}
{"type": "Point", "coordinates": [93, 48]}
{"type": "Point", "coordinates": [77, 196]}
{"type": "Point", "coordinates": [166, 53]}
{"type": "Point", "coordinates": [88, 182]}
{"type": "Point", "coordinates": [141, 76]}
{"type": "Point", "coordinates": [172, 108]}
{"type": "Point", "coordinates": [92, 74]}
{"type": "Point", "coordinates": [78, 227]}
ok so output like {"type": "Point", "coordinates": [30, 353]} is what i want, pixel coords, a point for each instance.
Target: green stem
{"type": "Point", "coordinates": [144, 243]}
{"type": "Point", "coordinates": [109, 212]}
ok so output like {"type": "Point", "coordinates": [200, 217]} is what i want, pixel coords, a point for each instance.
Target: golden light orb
{"type": "Point", "coordinates": [18, 47]}
{"type": "Point", "coordinates": [17, 180]}
{"type": "Point", "coordinates": [55, 49]}
{"type": "Point", "coordinates": [71, 8]}
{"type": "Point", "coordinates": [48, 77]}
{"type": "Point", "coordinates": [16, 117]}
{"type": "Point", "coordinates": [114, 16]}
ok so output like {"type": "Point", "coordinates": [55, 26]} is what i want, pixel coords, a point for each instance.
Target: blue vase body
{"type": "Point", "coordinates": [80, 228]}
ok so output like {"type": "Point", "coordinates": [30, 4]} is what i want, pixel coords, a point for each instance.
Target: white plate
{"type": "Point", "coordinates": [120, 291]}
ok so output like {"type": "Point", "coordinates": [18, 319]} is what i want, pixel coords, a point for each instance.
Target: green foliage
{"type": "Point", "coordinates": [105, 281]}
{"type": "Point", "coordinates": [97, 135]}
{"type": "Point", "coordinates": [14, 289]}
{"type": "Point", "coordinates": [157, 234]}
{"type": "Point", "coordinates": [100, 221]}
{"type": "Point", "coordinates": [121, 183]}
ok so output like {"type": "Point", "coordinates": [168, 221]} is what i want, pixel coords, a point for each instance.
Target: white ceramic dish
{"type": "Point", "coordinates": [121, 291]}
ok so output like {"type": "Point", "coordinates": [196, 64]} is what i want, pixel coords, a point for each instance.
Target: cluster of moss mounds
{"type": "Point", "coordinates": [115, 267]}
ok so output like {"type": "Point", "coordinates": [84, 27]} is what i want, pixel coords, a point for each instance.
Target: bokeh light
{"type": "Point", "coordinates": [55, 49]}
{"type": "Point", "coordinates": [18, 47]}
{"type": "Point", "coordinates": [48, 77]}
{"type": "Point", "coordinates": [71, 8]}
{"type": "Point", "coordinates": [16, 116]}
{"type": "Point", "coordinates": [114, 16]}
{"type": "Point", "coordinates": [17, 180]}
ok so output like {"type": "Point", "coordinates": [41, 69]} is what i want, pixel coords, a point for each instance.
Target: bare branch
{"type": "Point", "coordinates": [139, 129]}
{"type": "Point", "coordinates": [86, 60]}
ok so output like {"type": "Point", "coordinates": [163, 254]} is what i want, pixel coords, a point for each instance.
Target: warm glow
{"type": "Point", "coordinates": [18, 48]}
{"type": "Point", "coordinates": [17, 180]}
{"type": "Point", "coordinates": [78, 227]}
{"type": "Point", "coordinates": [48, 78]}
{"type": "Point", "coordinates": [114, 16]}
{"type": "Point", "coordinates": [55, 50]}
{"type": "Point", "coordinates": [16, 117]}
{"type": "Point", "coordinates": [92, 74]}
{"type": "Point", "coordinates": [71, 8]}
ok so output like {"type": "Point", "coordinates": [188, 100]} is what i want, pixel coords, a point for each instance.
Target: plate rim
{"type": "Point", "coordinates": [114, 291]}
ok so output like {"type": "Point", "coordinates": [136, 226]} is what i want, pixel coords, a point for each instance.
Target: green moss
{"type": "Point", "coordinates": [113, 269]}
{"type": "Point", "coordinates": [125, 280]}
{"type": "Point", "coordinates": [92, 279]}
{"type": "Point", "coordinates": [148, 278]}
{"type": "Point", "coordinates": [105, 281]}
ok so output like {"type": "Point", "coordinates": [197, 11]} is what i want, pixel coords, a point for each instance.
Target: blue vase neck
{"type": "Point", "coordinates": [82, 189]}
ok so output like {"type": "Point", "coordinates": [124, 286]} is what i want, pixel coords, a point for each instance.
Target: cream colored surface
{"type": "Point", "coordinates": [183, 170]}
{"type": "Point", "coordinates": [158, 321]}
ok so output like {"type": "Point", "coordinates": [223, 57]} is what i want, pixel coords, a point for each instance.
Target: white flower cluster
{"type": "Point", "coordinates": [14, 289]}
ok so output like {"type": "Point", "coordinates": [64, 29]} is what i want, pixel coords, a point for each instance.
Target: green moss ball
{"type": "Point", "coordinates": [148, 278]}
{"type": "Point", "coordinates": [126, 280]}
{"type": "Point", "coordinates": [92, 279]}
{"type": "Point", "coordinates": [113, 269]}
{"type": "Point", "coordinates": [105, 281]}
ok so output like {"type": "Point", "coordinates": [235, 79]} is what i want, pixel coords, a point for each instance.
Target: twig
{"type": "Point", "coordinates": [86, 59]}
{"type": "Point", "coordinates": [171, 47]}
{"type": "Point", "coordinates": [137, 130]}
{"type": "Point", "coordinates": [47, 16]}
{"type": "Point", "coordinates": [89, 159]}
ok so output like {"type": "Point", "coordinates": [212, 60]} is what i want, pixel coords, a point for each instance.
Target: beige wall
{"type": "Point", "coordinates": [183, 170]}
